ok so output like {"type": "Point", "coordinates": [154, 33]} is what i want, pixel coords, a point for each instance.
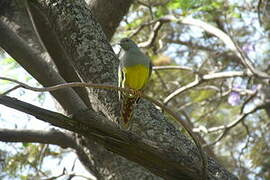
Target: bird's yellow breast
{"type": "Point", "coordinates": [135, 77]}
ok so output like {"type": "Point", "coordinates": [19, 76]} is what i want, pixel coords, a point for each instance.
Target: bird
{"type": "Point", "coordinates": [134, 72]}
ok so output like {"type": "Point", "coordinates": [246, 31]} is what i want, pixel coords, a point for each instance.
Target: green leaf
{"type": "Point", "coordinates": [25, 144]}
{"type": "Point", "coordinates": [175, 4]}
{"type": "Point", "coordinates": [201, 95]}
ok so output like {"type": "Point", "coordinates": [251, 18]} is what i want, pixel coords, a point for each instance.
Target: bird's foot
{"type": "Point", "coordinates": [136, 93]}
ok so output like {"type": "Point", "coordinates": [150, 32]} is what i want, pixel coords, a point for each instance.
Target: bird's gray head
{"type": "Point", "coordinates": [127, 43]}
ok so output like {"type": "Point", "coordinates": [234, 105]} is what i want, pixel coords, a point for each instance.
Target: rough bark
{"type": "Point", "coordinates": [31, 61]}
{"type": "Point", "coordinates": [109, 14]}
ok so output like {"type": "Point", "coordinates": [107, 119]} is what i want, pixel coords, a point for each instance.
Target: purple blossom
{"type": "Point", "coordinates": [247, 48]}
{"type": "Point", "coordinates": [234, 98]}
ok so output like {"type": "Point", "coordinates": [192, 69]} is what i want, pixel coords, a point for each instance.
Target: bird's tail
{"type": "Point", "coordinates": [127, 109]}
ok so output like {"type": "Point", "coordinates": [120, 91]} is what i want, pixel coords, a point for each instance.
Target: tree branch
{"type": "Point", "coordinates": [182, 123]}
{"type": "Point", "coordinates": [109, 13]}
{"type": "Point", "coordinates": [33, 63]}
{"type": "Point", "coordinates": [152, 36]}
{"type": "Point", "coordinates": [52, 136]}
{"type": "Point", "coordinates": [159, 161]}
{"type": "Point", "coordinates": [52, 44]}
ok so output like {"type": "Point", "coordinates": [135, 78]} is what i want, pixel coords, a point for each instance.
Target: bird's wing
{"type": "Point", "coordinates": [150, 68]}
{"type": "Point", "coordinates": [120, 79]}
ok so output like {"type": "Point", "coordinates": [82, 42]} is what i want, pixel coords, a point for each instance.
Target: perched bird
{"type": "Point", "coordinates": [134, 72]}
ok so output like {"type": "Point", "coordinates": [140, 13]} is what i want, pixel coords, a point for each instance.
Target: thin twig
{"type": "Point", "coordinates": [226, 128]}
{"type": "Point", "coordinates": [152, 36]}
{"type": "Point", "coordinates": [185, 68]}
{"type": "Point", "coordinates": [259, 11]}
{"type": "Point", "coordinates": [245, 146]}
{"type": "Point", "coordinates": [10, 90]}
{"type": "Point", "coordinates": [153, 4]}
{"type": "Point", "coordinates": [60, 86]}
{"type": "Point", "coordinates": [194, 83]}
{"type": "Point", "coordinates": [221, 136]}
{"type": "Point", "coordinates": [202, 78]}
{"type": "Point", "coordinates": [248, 63]}
{"type": "Point", "coordinates": [237, 121]}
{"type": "Point", "coordinates": [247, 101]}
